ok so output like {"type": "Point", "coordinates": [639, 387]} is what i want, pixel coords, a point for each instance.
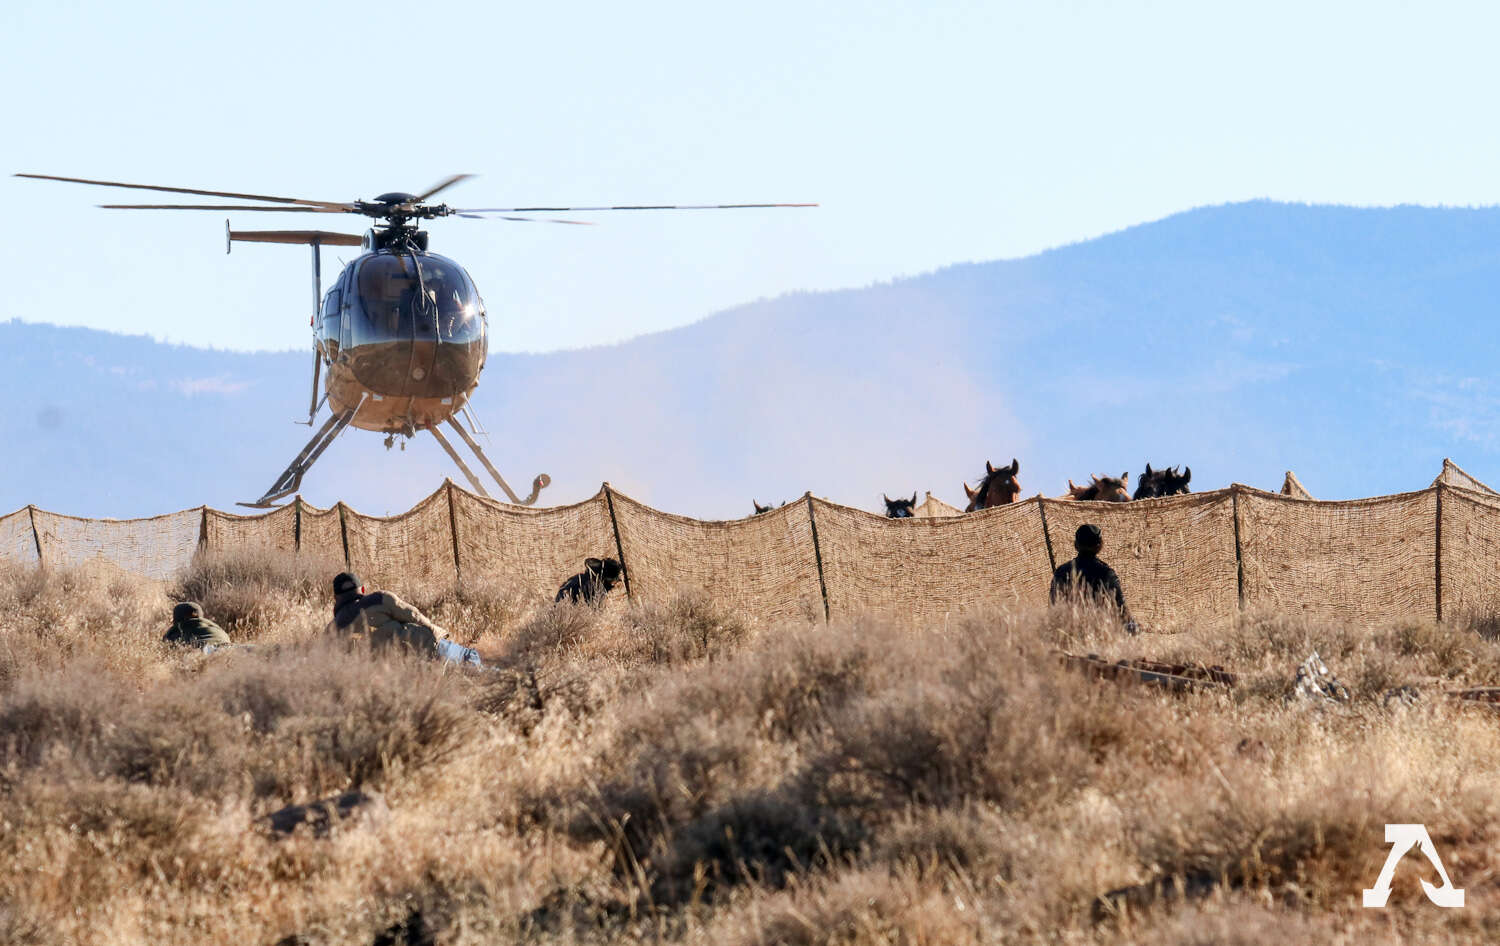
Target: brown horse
{"type": "Point", "coordinates": [998, 487]}
{"type": "Point", "coordinates": [1107, 489]}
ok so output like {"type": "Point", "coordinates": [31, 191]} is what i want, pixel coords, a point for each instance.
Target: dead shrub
{"type": "Point", "coordinates": [253, 592]}
{"type": "Point", "coordinates": [690, 626]}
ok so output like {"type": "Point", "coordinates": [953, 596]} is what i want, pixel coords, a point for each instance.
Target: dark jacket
{"type": "Point", "coordinates": [196, 632]}
{"type": "Point", "coordinates": [1091, 576]}
{"type": "Point", "coordinates": [598, 577]}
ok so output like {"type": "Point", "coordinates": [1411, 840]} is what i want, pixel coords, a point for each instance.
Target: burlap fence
{"type": "Point", "coordinates": [928, 569]}
{"type": "Point", "coordinates": [1364, 560]}
{"type": "Point", "coordinates": [156, 548]}
{"type": "Point", "coordinates": [1185, 562]}
{"type": "Point", "coordinates": [1175, 556]}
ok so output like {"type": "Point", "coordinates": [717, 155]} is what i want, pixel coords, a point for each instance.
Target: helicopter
{"type": "Point", "coordinates": [402, 334]}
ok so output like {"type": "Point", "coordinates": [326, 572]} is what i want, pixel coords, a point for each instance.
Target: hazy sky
{"type": "Point", "coordinates": [931, 133]}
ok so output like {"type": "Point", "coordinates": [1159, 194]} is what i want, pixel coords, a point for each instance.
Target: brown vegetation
{"type": "Point", "coordinates": [676, 773]}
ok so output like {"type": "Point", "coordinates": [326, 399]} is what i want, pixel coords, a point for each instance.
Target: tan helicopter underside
{"type": "Point", "coordinates": [388, 414]}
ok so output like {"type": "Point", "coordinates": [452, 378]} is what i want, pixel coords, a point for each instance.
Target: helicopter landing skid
{"type": "Point", "coordinates": [541, 482]}
{"type": "Point", "coordinates": [291, 477]}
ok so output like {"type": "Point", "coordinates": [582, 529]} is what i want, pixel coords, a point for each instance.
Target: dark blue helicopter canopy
{"type": "Point", "coordinates": [406, 298]}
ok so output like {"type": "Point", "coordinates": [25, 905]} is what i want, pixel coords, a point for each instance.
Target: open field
{"type": "Point", "coordinates": [671, 773]}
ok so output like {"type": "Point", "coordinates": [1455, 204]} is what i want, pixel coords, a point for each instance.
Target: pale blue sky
{"type": "Point", "coordinates": [932, 133]}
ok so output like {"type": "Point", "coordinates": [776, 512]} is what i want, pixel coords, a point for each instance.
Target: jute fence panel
{"type": "Point", "coordinates": [322, 533]}
{"type": "Point", "coordinates": [1471, 553]}
{"type": "Point", "coordinates": [17, 541]}
{"type": "Point", "coordinates": [762, 566]}
{"type": "Point", "coordinates": [414, 549]}
{"type": "Point", "coordinates": [275, 531]}
{"type": "Point", "coordinates": [158, 548]}
{"type": "Point", "coordinates": [530, 550]}
{"type": "Point", "coordinates": [1175, 556]}
{"type": "Point", "coordinates": [1363, 560]}
{"type": "Point", "coordinates": [930, 569]}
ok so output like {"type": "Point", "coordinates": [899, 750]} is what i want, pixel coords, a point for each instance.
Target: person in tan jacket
{"type": "Point", "coordinates": [384, 619]}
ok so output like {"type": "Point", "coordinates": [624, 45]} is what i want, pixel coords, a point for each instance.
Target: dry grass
{"type": "Point", "coordinates": [675, 773]}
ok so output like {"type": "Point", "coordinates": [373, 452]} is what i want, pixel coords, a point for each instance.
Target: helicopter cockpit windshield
{"type": "Point", "coordinates": [403, 298]}
{"type": "Point", "coordinates": [415, 325]}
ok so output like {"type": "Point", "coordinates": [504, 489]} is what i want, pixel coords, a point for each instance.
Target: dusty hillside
{"type": "Point", "coordinates": [678, 775]}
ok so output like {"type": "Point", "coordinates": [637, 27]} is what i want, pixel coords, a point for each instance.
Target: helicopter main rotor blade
{"type": "Point", "coordinates": [442, 185]}
{"type": "Point", "coordinates": [234, 207]}
{"type": "Point", "coordinates": [190, 190]}
{"type": "Point", "coordinates": [576, 223]}
{"type": "Point", "coordinates": [522, 210]}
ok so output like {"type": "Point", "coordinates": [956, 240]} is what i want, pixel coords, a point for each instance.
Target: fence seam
{"type": "Point", "coordinates": [344, 535]}
{"type": "Point", "coordinates": [36, 537]}
{"type": "Point", "coordinates": [1438, 556]}
{"type": "Point", "coordinates": [458, 572]}
{"type": "Point", "coordinates": [609, 497]}
{"type": "Point", "coordinates": [812, 520]}
{"type": "Point", "coordinates": [297, 524]}
{"type": "Point", "coordinates": [1041, 505]}
{"type": "Point", "coordinates": [1239, 561]}
{"type": "Point", "coordinates": [203, 527]}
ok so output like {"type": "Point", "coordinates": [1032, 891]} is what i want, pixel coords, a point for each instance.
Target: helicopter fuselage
{"type": "Point", "coordinates": [403, 336]}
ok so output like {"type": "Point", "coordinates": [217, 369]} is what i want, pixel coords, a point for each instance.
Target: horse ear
{"type": "Point", "coordinates": [1125, 477]}
{"type": "Point", "coordinates": [989, 467]}
{"type": "Point", "coordinates": [971, 493]}
{"type": "Point", "coordinates": [1187, 473]}
{"type": "Point", "coordinates": [886, 498]}
{"type": "Point", "coordinates": [914, 497]}
{"type": "Point", "coordinates": [1148, 470]}
{"type": "Point", "coordinates": [1015, 466]}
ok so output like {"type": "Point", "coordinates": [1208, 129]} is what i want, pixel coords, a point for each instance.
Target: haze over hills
{"type": "Point", "coordinates": [1351, 345]}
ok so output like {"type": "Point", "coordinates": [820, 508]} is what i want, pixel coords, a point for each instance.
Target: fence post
{"type": "Point", "coordinates": [1041, 505]}
{"type": "Point", "coordinates": [1438, 557]}
{"type": "Point", "coordinates": [458, 572]}
{"type": "Point", "coordinates": [812, 520]}
{"type": "Point", "coordinates": [36, 537]}
{"type": "Point", "coordinates": [609, 497]}
{"type": "Point", "coordinates": [297, 524]}
{"type": "Point", "coordinates": [344, 534]}
{"type": "Point", "coordinates": [203, 527]}
{"type": "Point", "coordinates": [1239, 561]}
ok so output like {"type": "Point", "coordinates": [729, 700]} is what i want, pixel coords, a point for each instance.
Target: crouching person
{"type": "Point", "coordinates": [191, 629]}
{"type": "Point", "coordinates": [598, 577]}
{"type": "Point", "coordinates": [384, 619]}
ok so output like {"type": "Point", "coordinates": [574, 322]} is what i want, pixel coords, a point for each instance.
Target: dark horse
{"type": "Point", "coordinates": [760, 509]}
{"type": "Point", "coordinates": [900, 508]}
{"type": "Point", "coordinates": [1166, 482]}
{"type": "Point", "coordinates": [998, 487]}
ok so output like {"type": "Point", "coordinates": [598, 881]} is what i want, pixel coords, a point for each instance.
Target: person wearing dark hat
{"type": "Point", "coordinates": [190, 628]}
{"type": "Point", "coordinates": [1086, 576]}
{"type": "Point", "coordinates": [384, 619]}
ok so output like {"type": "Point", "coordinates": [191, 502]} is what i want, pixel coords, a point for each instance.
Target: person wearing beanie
{"type": "Point", "coordinates": [384, 619]}
{"type": "Point", "coordinates": [1088, 577]}
{"type": "Point", "coordinates": [190, 628]}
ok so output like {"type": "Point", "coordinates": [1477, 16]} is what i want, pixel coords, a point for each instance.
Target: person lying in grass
{"type": "Point", "coordinates": [191, 629]}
